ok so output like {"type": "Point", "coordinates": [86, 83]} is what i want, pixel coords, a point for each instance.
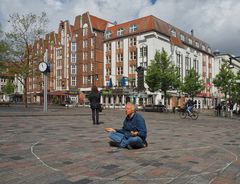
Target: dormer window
{"type": "Point", "coordinates": [120, 32]}
{"type": "Point", "coordinates": [203, 47]}
{"type": "Point", "coordinates": [132, 28]}
{"type": "Point", "coordinates": [173, 32]}
{"type": "Point", "coordinates": [190, 41]}
{"type": "Point", "coordinates": [197, 44]}
{"type": "Point", "coordinates": [209, 50]}
{"type": "Point", "coordinates": [182, 37]}
{"type": "Point", "coordinates": [108, 34]}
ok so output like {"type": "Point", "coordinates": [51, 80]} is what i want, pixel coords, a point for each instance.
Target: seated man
{"type": "Point", "coordinates": [133, 133]}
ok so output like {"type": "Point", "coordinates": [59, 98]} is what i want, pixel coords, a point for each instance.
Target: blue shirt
{"type": "Point", "coordinates": [135, 123]}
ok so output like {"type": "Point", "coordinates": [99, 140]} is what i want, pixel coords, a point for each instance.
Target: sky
{"type": "Point", "coordinates": [216, 22]}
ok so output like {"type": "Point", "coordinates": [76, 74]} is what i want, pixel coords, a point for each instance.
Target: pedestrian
{"type": "Point", "coordinates": [94, 98]}
{"type": "Point", "coordinates": [133, 134]}
{"type": "Point", "coordinates": [219, 108]}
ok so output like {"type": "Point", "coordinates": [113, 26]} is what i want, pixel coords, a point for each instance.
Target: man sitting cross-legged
{"type": "Point", "coordinates": [133, 134]}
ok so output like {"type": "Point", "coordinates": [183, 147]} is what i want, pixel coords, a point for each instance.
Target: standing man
{"type": "Point", "coordinates": [133, 134]}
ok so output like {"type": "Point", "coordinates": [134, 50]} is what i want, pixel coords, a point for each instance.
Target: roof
{"type": "Point", "coordinates": [98, 23]}
{"type": "Point", "coordinates": [176, 41]}
{"type": "Point", "coordinates": [151, 23]}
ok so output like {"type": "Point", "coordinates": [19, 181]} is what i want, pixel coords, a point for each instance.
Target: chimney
{"type": "Point", "coordinates": [192, 32]}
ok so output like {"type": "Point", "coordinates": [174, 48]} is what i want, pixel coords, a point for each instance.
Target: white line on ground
{"type": "Point", "coordinates": [40, 159]}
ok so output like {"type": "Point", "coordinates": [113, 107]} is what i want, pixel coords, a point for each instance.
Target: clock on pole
{"type": "Point", "coordinates": [43, 67]}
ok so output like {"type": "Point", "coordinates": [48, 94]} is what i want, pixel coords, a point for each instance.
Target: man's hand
{"type": "Point", "coordinates": [110, 130]}
{"type": "Point", "coordinates": [134, 133]}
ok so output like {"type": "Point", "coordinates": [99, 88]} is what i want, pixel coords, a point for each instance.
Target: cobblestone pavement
{"type": "Point", "coordinates": [63, 147]}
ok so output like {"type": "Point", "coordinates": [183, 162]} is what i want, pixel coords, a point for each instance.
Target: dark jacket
{"type": "Point", "coordinates": [94, 99]}
{"type": "Point", "coordinates": [135, 123]}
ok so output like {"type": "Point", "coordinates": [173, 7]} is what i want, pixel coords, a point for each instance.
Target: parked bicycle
{"type": "Point", "coordinates": [183, 113]}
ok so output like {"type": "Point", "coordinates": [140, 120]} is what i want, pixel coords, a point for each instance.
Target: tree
{"type": "Point", "coordinates": [225, 80]}
{"type": "Point", "coordinates": [192, 84]}
{"type": "Point", "coordinates": [236, 89]}
{"type": "Point", "coordinates": [3, 51]}
{"type": "Point", "coordinates": [8, 88]}
{"type": "Point", "coordinates": [26, 29]}
{"type": "Point", "coordinates": [161, 74]}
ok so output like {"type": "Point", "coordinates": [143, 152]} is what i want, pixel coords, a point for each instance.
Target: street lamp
{"type": "Point", "coordinates": [144, 54]}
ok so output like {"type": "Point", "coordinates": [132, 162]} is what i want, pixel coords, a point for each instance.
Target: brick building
{"type": "Point", "coordinates": [97, 52]}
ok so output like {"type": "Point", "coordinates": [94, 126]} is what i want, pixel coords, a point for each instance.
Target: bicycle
{"type": "Point", "coordinates": [183, 113]}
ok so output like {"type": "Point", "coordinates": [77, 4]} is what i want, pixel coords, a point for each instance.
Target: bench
{"type": "Point", "coordinates": [5, 103]}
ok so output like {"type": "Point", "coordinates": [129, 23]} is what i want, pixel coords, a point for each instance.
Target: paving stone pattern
{"type": "Point", "coordinates": [63, 147]}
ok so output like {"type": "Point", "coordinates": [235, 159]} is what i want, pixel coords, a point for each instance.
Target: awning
{"type": "Point", "coordinates": [57, 93]}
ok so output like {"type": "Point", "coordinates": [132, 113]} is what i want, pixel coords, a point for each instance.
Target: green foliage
{"type": "Point", "coordinates": [225, 80]}
{"type": "Point", "coordinates": [192, 84]}
{"type": "Point", "coordinates": [161, 74]}
{"type": "Point", "coordinates": [236, 89]}
{"type": "Point", "coordinates": [3, 49]}
{"type": "Point", "coordinates": [8, 88]}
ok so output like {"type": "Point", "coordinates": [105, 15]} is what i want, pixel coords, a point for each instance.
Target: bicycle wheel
{"type": "Point", "coordinates": [194, 115]}
{"type": "Point", "coordinates": [182, 115]}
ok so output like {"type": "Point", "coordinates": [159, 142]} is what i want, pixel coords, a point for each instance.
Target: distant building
{"type": "Point", "coordinates": [132, 44]}
{"type": "Point", "coordinates": [97, 52]}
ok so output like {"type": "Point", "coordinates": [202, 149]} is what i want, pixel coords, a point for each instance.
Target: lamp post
{"type": "Point", "coordinates": [144, 55]}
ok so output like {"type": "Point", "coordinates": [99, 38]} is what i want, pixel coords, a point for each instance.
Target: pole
{"type": "Point", "coordinates": [45, 79]}
{"type": "Point", "coordinates": [45, 108]}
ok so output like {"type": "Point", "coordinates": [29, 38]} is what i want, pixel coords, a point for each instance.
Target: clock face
{"type": "Point", "coordinates": [42, 67]}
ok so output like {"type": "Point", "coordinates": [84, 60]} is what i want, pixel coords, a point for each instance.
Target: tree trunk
{"type": "Point", "coordinates": [165, 98]}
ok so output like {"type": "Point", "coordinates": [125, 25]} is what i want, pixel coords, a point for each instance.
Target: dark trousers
{"type": "Point", "coordinates": [95, 116]}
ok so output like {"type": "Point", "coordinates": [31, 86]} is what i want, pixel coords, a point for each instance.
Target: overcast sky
{"type": "Point", "coordinates": [214, 21]}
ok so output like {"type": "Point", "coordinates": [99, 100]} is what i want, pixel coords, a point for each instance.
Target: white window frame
{"type": "Point", "coordinates": [133, 28]}
{"type": "Point", "coordinates": [120, 32]}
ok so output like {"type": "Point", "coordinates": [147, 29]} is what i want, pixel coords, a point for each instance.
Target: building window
{"type": "Point", "coordinates": [85, 55]}
{"type": "Point", "coordinates": [197, 44]}
{"type": "Point", "coordinates": [85, 30]}
{"type": "Point", "coordinates": [108, 34]}
{"type": "Point", "coordinates": [73, 58]}
{"type": "Point", "coordinates": [132, 41]}
{"type": "Point", "coordinates": [132, 69]}
{"type": "Point", "coordinates": [108, 59]}
{"type": "Point", "coordinates": [120, 57]}
{"type": "Point", "coordinates": [73, 69]}
{"type": "Point", "coordinates": [85, 68]}
{"type": "Point", "coordinates": [203, 47]}
{"type": "Point", "coordinates": [173, 33]}
{"type": "Point", "coordinates": [62, 37]}
{"type": "Point", "coordinates": [143, 51]}
{"type": "Point", "coordinates": [119, 44]}
{"type": "Point", "coordinates": [190, 41]}
{"type": "Point", "coordinates": [195, 65]}
{"type": "Point", "coordinates": [85, 43]}
{"type": "Point", "coordinates": [92, 42]}
{"type": "Point", "coordinates": [108, 71]}
{"type": "Point", "coordinates": [133, 55]}
{"type": "Point", "coordinates": [187, 64]}
{"type": "Point", "coordinates": [120, 70]}
{"type": "Point", "coordinates": [120, 32]}
{"type": "Point", "coordinates": [108, 47]}
{"type": "Point", "coordinates": [85, 80]}
{"type": "Point", "coordinates": [92, 54]}
{"type": "Point", "coordinates": [74, 47]}
{"type": "Point", "coordinates": [182, 37]}
{"type": "Point", "coordinates": [132, 28]}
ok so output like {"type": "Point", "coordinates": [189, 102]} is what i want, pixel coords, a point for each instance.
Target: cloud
{"type": "Point", "coordinates": [215, 22]}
